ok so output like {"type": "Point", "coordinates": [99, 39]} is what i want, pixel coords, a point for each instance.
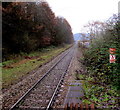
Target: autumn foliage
{"type": "Point", "coordinates": [29, 26]}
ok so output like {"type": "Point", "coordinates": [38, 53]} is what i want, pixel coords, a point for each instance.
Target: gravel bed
{"type": "Point", "coordinates": [69, 77]}
{"type": "Point", "coordinates": [44, 90]}
{"type": "Point", "coordinates": [11, 95]}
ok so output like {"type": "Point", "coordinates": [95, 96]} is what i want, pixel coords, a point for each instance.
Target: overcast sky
{"type": "Point", "coordinates": [80, 12]}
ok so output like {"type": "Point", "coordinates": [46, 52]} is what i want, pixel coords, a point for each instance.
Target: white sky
{"type": "Point", "coordinates": [80, 12]}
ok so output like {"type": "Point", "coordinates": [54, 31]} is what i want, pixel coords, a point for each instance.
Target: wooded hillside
{"type": "Point", "coordinates": [29, 26]}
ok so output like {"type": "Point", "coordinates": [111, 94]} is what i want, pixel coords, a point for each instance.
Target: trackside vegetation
{"type": "Point", "coordinates": [102, 81]}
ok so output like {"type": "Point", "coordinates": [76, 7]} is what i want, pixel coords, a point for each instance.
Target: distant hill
{"type": "Point", "coordinates": [78, 36]}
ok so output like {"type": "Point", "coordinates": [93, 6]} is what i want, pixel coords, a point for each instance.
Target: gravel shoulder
{"type": "Point", "coordinates": [69, 78]}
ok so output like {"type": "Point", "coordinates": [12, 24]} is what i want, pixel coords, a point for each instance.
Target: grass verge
{"type": "Point", "coordinates": [17, 68]}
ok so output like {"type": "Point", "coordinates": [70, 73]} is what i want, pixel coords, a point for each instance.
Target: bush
{"type": "Point", "coordinates": [96, 57]}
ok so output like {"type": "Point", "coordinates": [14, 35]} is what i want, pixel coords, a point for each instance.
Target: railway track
{"type": "Point", "coordinates": [42, 93]}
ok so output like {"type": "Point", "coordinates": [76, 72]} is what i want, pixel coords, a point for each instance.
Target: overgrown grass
{"type": "Point", "coordinates": [102, 96]}
{"type": "Point", "coordinates": [100, 83]}
{"type": "Point", "coordinates": [104, 88]}
{"type": "Point", "coordinates": [12, 75]}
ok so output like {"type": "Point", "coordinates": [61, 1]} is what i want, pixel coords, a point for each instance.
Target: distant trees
{"type": "Point", "coordinates": [95, 28]}
{"type": "Point", "coordinates": [64, 32]}
{"type": "Point", "coordinates": [28, 26]}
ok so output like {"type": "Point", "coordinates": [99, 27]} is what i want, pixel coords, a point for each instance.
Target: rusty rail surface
{"type": "Point", "coordinates": [79, 106]}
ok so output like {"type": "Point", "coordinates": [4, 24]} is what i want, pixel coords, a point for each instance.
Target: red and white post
{"type": "Point", "coordinates": [112, 57]}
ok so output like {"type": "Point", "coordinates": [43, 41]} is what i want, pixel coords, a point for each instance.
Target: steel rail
{"type": "Point", "coordinates": [52, 98]}
{"type": "Point", "coordinates": [29, 90]}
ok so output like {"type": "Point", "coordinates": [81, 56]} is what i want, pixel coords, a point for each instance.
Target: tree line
{"type": "Point", "coordinates": [29, 26]}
